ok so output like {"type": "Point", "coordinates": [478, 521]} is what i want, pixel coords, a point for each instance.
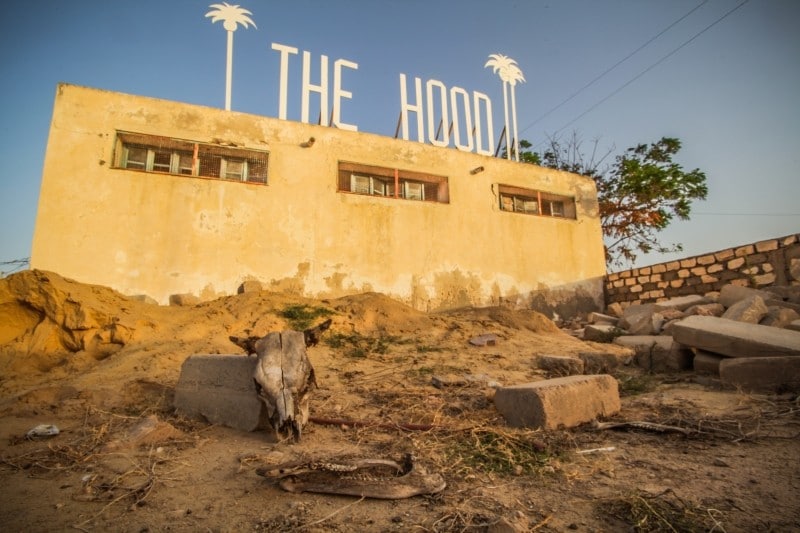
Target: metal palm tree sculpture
{"type": "Point", "coordinates": [231, 17]}
{"type": "Point", "coordinates": [510, 74]}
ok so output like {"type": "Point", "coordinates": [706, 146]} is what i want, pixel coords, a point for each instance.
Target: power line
{"type": "Point", "coordinates": [648, 69]}
{"type": "Point", "coordinates": [748, 214]}
{"type": "Point", "coordinates": [615, 65]}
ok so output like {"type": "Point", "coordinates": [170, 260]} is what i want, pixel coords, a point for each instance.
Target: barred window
{"type": "Point", "coordinates": [153, 153]}
{"type": "Point", "coordinates": [392, 183]}
{"type": "Point", "coordinates": [534, 202]}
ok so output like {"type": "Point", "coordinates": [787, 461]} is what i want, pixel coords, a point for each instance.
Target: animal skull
{"type": "Point", "coordinates": [284, 375]}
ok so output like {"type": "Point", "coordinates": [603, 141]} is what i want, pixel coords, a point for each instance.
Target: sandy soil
{"type": "Point", "coordinates": [103, 367]}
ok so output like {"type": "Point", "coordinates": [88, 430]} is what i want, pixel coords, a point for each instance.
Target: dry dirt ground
{"type": "Point", "coordinates": [102, 368]}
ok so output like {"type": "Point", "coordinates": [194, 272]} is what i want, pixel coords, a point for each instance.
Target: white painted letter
{"type": "Point", "coordinates": [477, 98]}
{"type": "Point", "coordinates": [284, 76]}
{"type": "Point", "coordinates": [454, 92]}
{"type": "Point", "coordinates": [322, 88]}
{"type": "Point", "coordinates": [338, 93]}
{"type": "Point", "coordinates": [405, 107]}
{"type": "Point", "coordinates": [432, 133]}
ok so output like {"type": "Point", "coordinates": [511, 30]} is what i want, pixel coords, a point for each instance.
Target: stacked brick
{"type": "Point", "coordinates": [756, 265]}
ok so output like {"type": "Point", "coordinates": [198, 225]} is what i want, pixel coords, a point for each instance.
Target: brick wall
{"type": "Point", "coordinates": [757, 265]}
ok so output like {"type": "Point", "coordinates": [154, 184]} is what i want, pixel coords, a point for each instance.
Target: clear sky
{"type": "Point", "coordinates": [727, 86]}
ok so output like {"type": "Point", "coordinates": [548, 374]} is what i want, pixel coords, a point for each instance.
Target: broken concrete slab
{"type": "Point", "coordinates": [637, 319]}
{"type": "Point", "coordinates": [706, 362]}
{"type": "Point", "coordinates": [765, 374]}
{"type": "Point", "coordinates": [560, 365]}
{"type": "Point", "coordinates": [220, 389]}
{"type": "Point", "coordinates": [735, 339]}
{"type": "Point", "coordinates": [657, 353]}
{"type": "Point", "coordinates": [600, 318]}
{"type": "Point", "coordinates": [681, 303]}
{"type": "Point", "coordinates": [730, 294]}
{"type": "Point", "coordinates": [561, 402]}
{"type": "Point", "coordinates": [712, 309]}
{"type": "Point", "coordinates": [751, 309]}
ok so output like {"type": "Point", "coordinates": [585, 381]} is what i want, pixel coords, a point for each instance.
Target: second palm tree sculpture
{"type": "Point", "coordinates": [231, 17]}
{"type": "Point", "coordinates": [510, 74]}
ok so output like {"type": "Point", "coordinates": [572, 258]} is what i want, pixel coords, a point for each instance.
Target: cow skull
{"type": "Point", "coordinates": [284, 375]}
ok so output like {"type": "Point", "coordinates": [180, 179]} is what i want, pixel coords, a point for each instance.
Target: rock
{"type": "Point", "coordinates": [250, 285]}
{"type": "Point", "coordinates": [487, 339]}
{"type": "Point", "coordinates": [730, 294]}
{"type": "Point", "coordinates": [765, 374]}
{"type": "Point", "coordinates": [706, 362]}
{"type": "Point", "coordinates": [657, 353]}
{"type": "Point", "coordinates": [779, 317]}
{"type": "Point", "coordinates": [553, 403]}
{"type": "Point", "coordinates": [735, 339]}
{"type": "Point", "coordinates": [794, 325]}
{"type": "Point", "coordinates": [560, 365]}
{"type": "Point", "coordinates": [751, 310]}
{"type": "Point", "coordinates": [183, 299]}
{"type": "Point", "coordinates": [600, 332]}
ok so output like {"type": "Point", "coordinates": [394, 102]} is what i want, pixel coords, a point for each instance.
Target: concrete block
{"type": "Point", "coordinates": [603, 363]}
{"type": "Point", "coordinates": [560, 365]}
{"type": "Point", "coordinates": [766, 374]}
{"type": "Point", "coordinates": [599, 332]}
{"type": "Point", "coordinates": [220, 389]}
{"type": "Point", "coordinates": [553, 403]}
{"type": "Point", "coordinates": [706, 362]}
{"type": "Point", "coordinates": [735, 339]}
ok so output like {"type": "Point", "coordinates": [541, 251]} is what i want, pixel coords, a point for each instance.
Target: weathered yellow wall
{"type": "Point", "coordinates": [157, 234]}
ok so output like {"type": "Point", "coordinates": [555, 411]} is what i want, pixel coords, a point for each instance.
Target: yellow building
{"type": "Point", "coordinates": [155, 197]}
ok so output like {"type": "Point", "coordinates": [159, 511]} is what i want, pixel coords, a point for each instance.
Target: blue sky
{"type": "Point", "coordinates": [727, 88]}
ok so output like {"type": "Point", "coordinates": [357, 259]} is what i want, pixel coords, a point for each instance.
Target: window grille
{"type": "Point", "coordinates": [153, 153]}
{"type": "Point", "coordinates": [534, 202]}
{"type": "Point", "coordinates": [392, 183]}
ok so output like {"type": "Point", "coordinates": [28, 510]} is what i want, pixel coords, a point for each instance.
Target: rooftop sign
{"type": "Point", "coordinates": [442, 115]}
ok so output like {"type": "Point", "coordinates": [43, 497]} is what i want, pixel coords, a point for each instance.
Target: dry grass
{"type": "Point", "coordinates": [665, 511]}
